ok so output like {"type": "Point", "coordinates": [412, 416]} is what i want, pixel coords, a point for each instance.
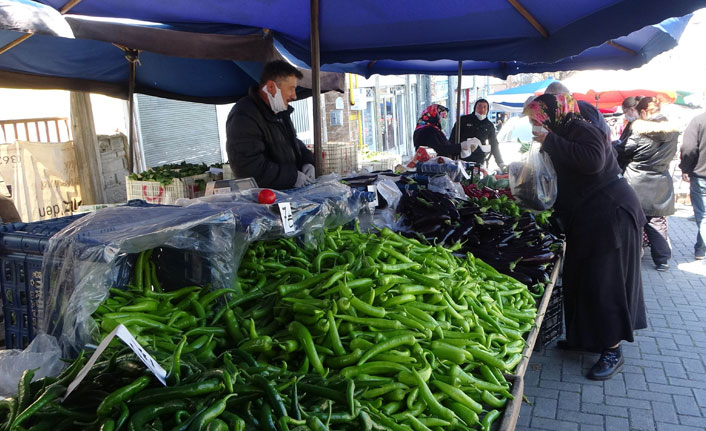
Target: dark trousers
{"type": "Point", "coordinates": [656, 230]}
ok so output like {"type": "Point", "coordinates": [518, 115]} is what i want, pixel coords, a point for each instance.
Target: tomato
{"type": "Point", "coordinates": [266, 196]}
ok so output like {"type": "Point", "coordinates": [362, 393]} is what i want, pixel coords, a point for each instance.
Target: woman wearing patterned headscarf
{"type": "Point", "coordinates": [603, 221]}
{"type": "Point", "coordinates": [430, 133]}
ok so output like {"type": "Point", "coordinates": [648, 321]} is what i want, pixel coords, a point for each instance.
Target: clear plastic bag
{"type": "Point", "coordinates": [533, 180]}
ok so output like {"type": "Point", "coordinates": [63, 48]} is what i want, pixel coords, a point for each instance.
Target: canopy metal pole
{"type": "Point", "coordinates": [132, 57]}
{"type": "Point", "coordinates": [457, 138]}
{"type": "Point", "coordinates": [316, 86]}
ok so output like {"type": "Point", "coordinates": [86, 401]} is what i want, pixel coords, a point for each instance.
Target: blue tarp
{"type": "Point", "coordinates": [209, 63]}
{"type": "Point", "coordinates": [490, 30]}
{"type": "Point", "coordinates": [215, 52]}
{"type": "Point", "coordinates": [627, 52]}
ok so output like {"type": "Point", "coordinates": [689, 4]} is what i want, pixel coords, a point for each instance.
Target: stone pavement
{"type": "Point", "coordinates": [663, 384]}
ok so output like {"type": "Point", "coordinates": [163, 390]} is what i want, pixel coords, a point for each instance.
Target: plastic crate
{"type": "Point", "coordinates": [553, 323]}
{"type": "Point", "coordinates": [22, 246]}
{"type": "Point", "coordinates": [154, 192]}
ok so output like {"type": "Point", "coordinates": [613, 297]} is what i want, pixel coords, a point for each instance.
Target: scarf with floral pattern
{"type": "Point", "coordinates": [554, 111]}
{"type": "Point", "coordinates": [431, 117]}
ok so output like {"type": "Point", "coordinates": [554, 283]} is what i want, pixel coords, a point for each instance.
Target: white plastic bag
{"type": "Point", "coordinates": [533, 180]}
{"type": "Point", "coordinates": [42, 353]}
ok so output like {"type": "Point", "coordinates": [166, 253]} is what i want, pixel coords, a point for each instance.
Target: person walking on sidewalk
{"type": "Point", "coordinates": [693, 168]}
{"type": "Point", "coordinates": [648, 152]}
{"type": "Point", "coordinates": [602, 219]}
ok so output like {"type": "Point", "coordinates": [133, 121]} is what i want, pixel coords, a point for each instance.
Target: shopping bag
{"type": "Point", "coordinates": [533, 180]}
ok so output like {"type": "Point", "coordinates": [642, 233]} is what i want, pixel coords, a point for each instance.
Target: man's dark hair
{"type": "Point", "coordinates": [644, 103]}
{"type": "Point", "coordinates": [278, 69]}
{"type": "Point", "coordinates": [631, 102]}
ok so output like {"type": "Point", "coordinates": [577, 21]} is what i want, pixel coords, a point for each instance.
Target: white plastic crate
{"type": "Point", "coordinates": [154, 192]}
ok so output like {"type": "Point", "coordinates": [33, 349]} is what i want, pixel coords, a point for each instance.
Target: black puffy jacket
{"type": "Point", "coordinates": [263, 145]}
{"type": "Point", "coordinates": [472, 127]}
{"type": "Point", "coordinates": [648, 151]}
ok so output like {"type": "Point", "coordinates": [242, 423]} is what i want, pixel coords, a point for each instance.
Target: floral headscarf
{"type": "Point", "coordinates": [554, 111]}
{"type": "Point", "coordinates": [431, 117]}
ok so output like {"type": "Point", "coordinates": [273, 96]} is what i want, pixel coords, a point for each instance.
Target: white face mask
{"type": "Point", "coordinates": [444, 122]}
{"type": "Point", "coordinates": [481, 117]}
{"type": "Point", "coordinates": [276, 102]}
{"type": "Point", "coordinates": [539, 129]}
{"type": "Point", "coordinates": [631, 118]}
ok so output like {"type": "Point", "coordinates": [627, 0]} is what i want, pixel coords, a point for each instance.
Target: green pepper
{"type": "Point", "coordinates": [406, 339]}
{"type": "Point", "coordinates": [304, 337]}
{"type": "Point", "coordinates": [458, 395]}
{"type": "Point", "coordinates": [434, 405]}
{"type": "Point", "coordinates": [122, 394]}
{"type": "Point", "coordinates": [210, 414]}
{"type": "Point", "coordinates": [50, 394]}
{"type": "Point", "coordinates": [149, 413]}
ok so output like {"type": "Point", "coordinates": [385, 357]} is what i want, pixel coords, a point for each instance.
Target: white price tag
{"type": "Point", "coordinates": [373, 189]}
{"type": "Point", "coordinates": [463, 170]}
{"type": "Point", "coordinates": [285, 213]}
{"type": "Point", "coordinates": [125, 335]}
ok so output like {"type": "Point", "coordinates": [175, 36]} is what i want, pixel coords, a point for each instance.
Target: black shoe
{"type": "Point", "coordinates": [662, 267]}
{"type": "Point", "coordinates": [610, 363]}
{"type": "Point", "coordinates": [564, 345]}
{"type": "Point", "coordinates": [700, 254]}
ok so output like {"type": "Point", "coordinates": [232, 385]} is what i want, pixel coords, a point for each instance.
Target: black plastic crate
{"type": "Point", "coordinates": [553, 322]}
{"type": "Point", "coordinates": [22, 246]}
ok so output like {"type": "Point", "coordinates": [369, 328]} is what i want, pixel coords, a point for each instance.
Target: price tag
{"type": "Point", "coordinates": [373, 189]}
{"type": "Point", "coordinates": [463, 170]}
{"type": "Point", "coordinates": [125, 335]}
{"type": "Point", "coordinates": [285, 213]}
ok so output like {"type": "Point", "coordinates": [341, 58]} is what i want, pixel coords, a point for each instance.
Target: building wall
{"type": "Point", "coordinates": [337, 107]}
{"type": "Point", "coordinates": [113, 156]}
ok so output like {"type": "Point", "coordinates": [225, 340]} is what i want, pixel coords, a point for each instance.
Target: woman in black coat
{"type": "Point", "coordinates": [648, 151]}
{"type": "Point", "coordinates": [603, 221]}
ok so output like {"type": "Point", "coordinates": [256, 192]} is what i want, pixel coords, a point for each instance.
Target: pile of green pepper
{"type": "Point", "coordinates": [364, 331]}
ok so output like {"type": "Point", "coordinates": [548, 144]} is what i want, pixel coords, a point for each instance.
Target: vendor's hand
{"type": "Point", "coordinates": [469, 146]}
{"type": "Point", "coordinates": [685, 178]}
{"type": "Point", "coordinates": [503, 168]}
{"type": "Point", "coordinates": [310, 171]}
{"type": "Point", "coordinates": [539, 136]}
{"type": "Point", "coordinates": [302, 180]}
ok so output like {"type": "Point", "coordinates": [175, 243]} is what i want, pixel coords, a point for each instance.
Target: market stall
{"type": "Point", "coordinates": [414, 330]}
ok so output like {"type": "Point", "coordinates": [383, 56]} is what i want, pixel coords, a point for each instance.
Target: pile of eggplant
{"type": "Point", "coordinates": [517, 246]}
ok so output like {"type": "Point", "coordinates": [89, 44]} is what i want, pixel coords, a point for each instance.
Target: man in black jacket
{"type": "Point", "coordinates": [693, 168]}
{"type": "Point", "coordinates": [261, 140]}
{"type": "Point", "coordinates": [478, 126]}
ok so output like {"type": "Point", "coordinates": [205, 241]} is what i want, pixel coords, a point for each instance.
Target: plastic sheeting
{"type": "Point", "coordinates": [211, 234]}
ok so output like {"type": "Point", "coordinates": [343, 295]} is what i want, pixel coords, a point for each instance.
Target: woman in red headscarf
{"type": "Point", "coordinates": [602, 218]}
{"type": "Point", "coordinates": [430, 133]}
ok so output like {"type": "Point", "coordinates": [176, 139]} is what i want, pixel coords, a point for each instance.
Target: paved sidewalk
{"type": "Point", "coordinates": [663, 384]}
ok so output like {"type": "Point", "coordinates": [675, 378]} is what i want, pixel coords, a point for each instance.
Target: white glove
{"type": "Point", "coordinates": [302, 180]}
{"type": "Point", "coordinates": [310, 171]}
{"type": "Point", "coordinates": [468, 146]}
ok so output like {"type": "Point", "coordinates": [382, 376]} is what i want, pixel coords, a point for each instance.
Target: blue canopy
{"type": "Point", "coordinates": [627, 52]}
{"type": "Point", "coordinates": [490, 30]}
{"type": "Point", "coordinates": [216, 51]}
{"type": "Point", "coordinates": [195, 62]}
